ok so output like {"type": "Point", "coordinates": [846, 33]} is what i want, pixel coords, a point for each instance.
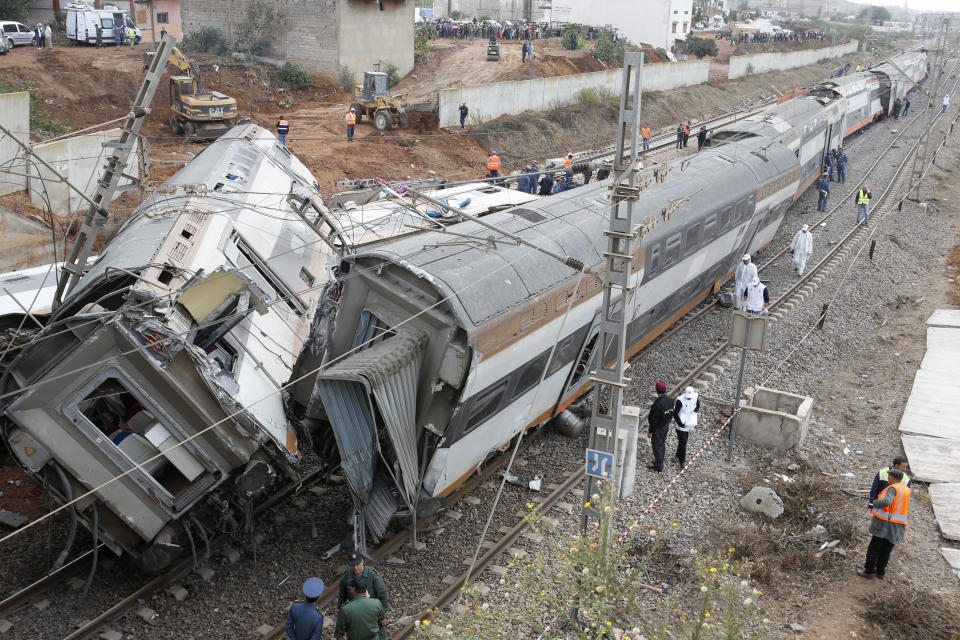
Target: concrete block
{"type": "Point", "coordinates": [473, 500]}
{"type": "Point", "coordinates": [417, 546]}
{"type": "Point", "coordinates": [15, 115]}
{"type": "Point", "coordinates": [179, 593]}
{"type": "Point", "coordinates": [264, 630]}
{"type": "Point", "coordinates": [500, 571]}
{"type": "Point", "coordinates": [146, 614]}
{"type": "Point", "coordinates": [299, 503]}
{"type": "Point", "coordinates": [483, 589]}
{"type": "Point", "coordinates": [518, 554]}
{"type": "Point", "coordinates": [448, 579]}
{"type": "Point", "coordinates": [533, 537]}
{"type": "Point", "coordinates": [230, 553]}
{"type": "Point", "coordinates": [427, 600]}
{"type": "Point", "coordinates": [453, 515]}
{"type": "Point", "coordinates": [110, 634]}
{"type": "Point", "coordinates": [5, 626]}
{"type": "Point", "coordinates": [566, 507]}
{"type": "Point", "coordinates": [763, 500]}
{"type": "Point", "coordinates": [205, 573]}
{"type": "Point", "coordinates": [459, 609]}
{"type": "Point", "coordinates": [504, 529]}
{"type": "Point", "coordinates": [76, 584]}
{"type": "Point", "coordinates": [775, 419]}
{"type": "Point", "coordinates": [42, 604]}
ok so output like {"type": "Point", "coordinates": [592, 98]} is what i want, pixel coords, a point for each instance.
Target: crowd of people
{"type": "Point", "coordinates": [470, 29]}
{"type": "Point", "coordinates": [755, 37]}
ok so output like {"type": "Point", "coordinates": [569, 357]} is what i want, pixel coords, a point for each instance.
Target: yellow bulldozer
{"type": "Point", "coordinates": [198, 114]}
{"type": "Point", "coordinates": [372, 99]}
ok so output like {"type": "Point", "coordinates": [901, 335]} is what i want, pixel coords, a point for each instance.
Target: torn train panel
{"type": "Point", "coordinates": [166, 363]}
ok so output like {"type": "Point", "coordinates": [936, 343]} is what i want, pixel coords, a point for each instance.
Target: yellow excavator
{"type": "Point", "coordinates": [198, 114]}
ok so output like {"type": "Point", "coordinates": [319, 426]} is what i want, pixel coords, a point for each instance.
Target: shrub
{"type": "Point", "coordinates": [346, 79]}
{"type": "Point", "coordinates": [206, 39]}
{"type": "Point", "coordinates": [662, 53]}
{"type": "Point", "coordinates": [14, 9]}
{"type": "Point", "coordinates": [699, 47]}
{"type": "Point", "coordinates": [567, 41]}
{"type": "Point", "coordinates": [607, 50]}
{"type": "Point", "coordinates": [393, 74]}
{"type": "Point", "coordinates": [293, 76]}
{"type": "Point", "coordinates": [255, 34]}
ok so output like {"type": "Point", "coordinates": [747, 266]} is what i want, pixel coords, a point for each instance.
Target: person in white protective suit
{"type": "Point", "coordinates": [802, 247]}
{"type": "Point", "coordinates": [757, 297]}
{"type": "Point", "coordinates": [685, 415]}
{"type": "Point", "coordinates": [746, 272]}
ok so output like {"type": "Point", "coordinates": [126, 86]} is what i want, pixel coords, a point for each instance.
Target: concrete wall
{"type": "Point", "coordinates": [23, 243]}
{"type": "Point", "coordinates": [15, 115]}
{"type": "Point", "coordinates": [369, 36]}
{"type": "Point", "coordinates": [319, 35]}
{"type": "Point", "coordinates": [81, 160]}
{"type": "Point", "coordinates": [763, 62]}
{"type": "Point", "coordinates": [40, 11]}
{"type": "Point", "coordinates": [489, 101]}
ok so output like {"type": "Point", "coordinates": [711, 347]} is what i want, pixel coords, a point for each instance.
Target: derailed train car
{"type": "Point", "coordinates": [430, 359]}
{"type": "Point", "coordinates": [434, 356]}
{"type": "Point", "coordinates": [192, 316]}
{"type": "Point", "coordinates": [164, 366]}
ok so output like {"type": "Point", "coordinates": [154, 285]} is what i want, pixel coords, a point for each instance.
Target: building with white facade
{"type": "Point", "coordinates": [658, 23]}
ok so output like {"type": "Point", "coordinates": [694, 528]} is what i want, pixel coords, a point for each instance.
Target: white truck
{"type": "Point", "coordinates": [82, 22]}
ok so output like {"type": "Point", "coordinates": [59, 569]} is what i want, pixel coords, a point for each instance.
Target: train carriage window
{"type": "Point", "coordinates": [726, 217]}
{"type": "Point", "coordinates": [565, 352]}
{"type": "Point", "coordinates": [655, 258]}
{"type": "Point", "coordinates": [486, 404]}
{"type": "Point", "coordinates": [530, 375]}
{"type": "Point", "coordinates": [710, 227]}
{"type": "Point", "coordinates": [693, 238]}
{"type": "Point", "coordinates": [672, 252]}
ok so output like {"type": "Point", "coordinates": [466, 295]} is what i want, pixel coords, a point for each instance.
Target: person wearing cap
{"type": "Point", "coordinates": [363, 617]}
{"type": "Point", "coordinates": [841, 165]}
{"type": "Point", "coordinates": [372, 579]}
{"type": "Point", "coordinates": [546, 182]}
{"type": "Point", "coordinates": [304, 620]}
{"type": "Point", "coordinates": [891, 511]}
{"type": "Point", "coordinates": [756, 297]}
{"type": "Point", "coordinates": [823, 190]}
{"type": "Point", "coordinates": [882, 479]}
{"type": "Point", "coordinates": [746, 272]}
{"type": "Point", "coordinates": [351, 121]}
{"type": "Point", "coordinates": [685, 415]}
{"type": "Point", "coordinates": [568, 162]}
{"type": "Point", "coordinates": [802, 247]}
{"type": "Point", "coordinates": [659, 419]}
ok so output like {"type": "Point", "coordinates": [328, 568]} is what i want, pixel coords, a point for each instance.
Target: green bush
{"type": "Point", "coordinates": [565, 40]}
{"type": "Point", "coordinates": [662, 53]}
{"type": "Point", "coordinates": [393, 74]}
{"type": "Point", "coordinates": [14, 9]}
{"type": "Point", "coordinates": [607, 50]}
{"type": "Point", "coordinates": [699, 47]}
{"type": "Point", "coordinates": [293, 76]}
{"type": "Point", "coordinates": [206, 39]}
{"type": "Point", "coordinates": [346, 79]}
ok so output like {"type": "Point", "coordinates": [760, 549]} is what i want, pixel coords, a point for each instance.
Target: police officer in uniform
{"type": "Point", "coordinates": [373, 581]}
{"type": "Point", "coordinates": [304, 621]}
{"type": "Point", "coordinates": [362, 617]}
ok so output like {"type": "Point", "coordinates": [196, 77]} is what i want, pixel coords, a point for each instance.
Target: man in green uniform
{"type": "Point", "coordinates": [99, 34]}
{"type": "Point", "coordinates": [362, 617]}
{"type": "Point", "coordinates": [374, 584]}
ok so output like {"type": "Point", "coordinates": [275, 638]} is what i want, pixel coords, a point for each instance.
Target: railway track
{"type": "Point", "coordinates": [804, 287]}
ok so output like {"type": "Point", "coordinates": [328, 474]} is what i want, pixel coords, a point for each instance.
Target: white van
{"type": "Point", "coordinates": [83, 18]}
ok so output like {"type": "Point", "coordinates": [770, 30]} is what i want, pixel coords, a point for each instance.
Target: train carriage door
{"type": "Point", "coordinates": [827, 145]}
{"type": "Point", "coordinates": [585, 362]}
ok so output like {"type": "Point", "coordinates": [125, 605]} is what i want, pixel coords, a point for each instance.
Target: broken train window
{"type": "Point", "coordinates": [137, 433]}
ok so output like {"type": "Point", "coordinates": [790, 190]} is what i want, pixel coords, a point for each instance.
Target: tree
{"type": "Point", "coordinates": [607, 50]}
{"type": "Point", "coordinates": [873, 14]}
{"type": "Point", "coordinates": [14, 9]}
{"type": "Point", "coordinates": [698, 15]}
{"type": "Point", "coordinates": [699, 47]}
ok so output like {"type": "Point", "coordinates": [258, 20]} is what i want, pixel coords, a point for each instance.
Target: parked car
{"type": "Point", "coordinates": [3, 46]}
{"type": "Point", "coordinates": [15, 33]}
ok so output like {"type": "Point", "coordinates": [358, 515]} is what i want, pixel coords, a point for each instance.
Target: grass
{"type": "Point", "coordinates": [41, 124]}
{"type": "Point", "coordinates": [913, 614]}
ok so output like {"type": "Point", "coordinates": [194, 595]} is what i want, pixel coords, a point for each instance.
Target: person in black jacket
{"type": "Point", "coordinates": [546, 182]}
{"type": "Point", "coordinates": [659, 418]}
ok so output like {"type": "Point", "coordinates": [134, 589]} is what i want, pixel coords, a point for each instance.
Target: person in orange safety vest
{"type": "Point", "coordinates": [283, 128]}
{"type": "Point", "coordinates": [888, 524]}
{"type": "Point", "coordinates": [493, 164]}
{"type": "Point", "coordinates": [351, 121]}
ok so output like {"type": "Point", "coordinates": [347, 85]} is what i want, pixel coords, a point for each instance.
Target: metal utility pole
{"type": "Point", "coordinates": [97, 212]}
{"type": "Point", "coordinates": [622, 238]}
{"type": "Point", "coordinates": [920, 157]}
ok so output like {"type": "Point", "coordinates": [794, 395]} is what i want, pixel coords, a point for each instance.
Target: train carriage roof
{"type": "Point", "coordinates": [483, 282]}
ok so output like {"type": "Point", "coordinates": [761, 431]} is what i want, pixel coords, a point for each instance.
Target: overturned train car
{"type": "Point", "coordinates": [163, 366]}
{"type": "Point", "coordinates": [434, 356]}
